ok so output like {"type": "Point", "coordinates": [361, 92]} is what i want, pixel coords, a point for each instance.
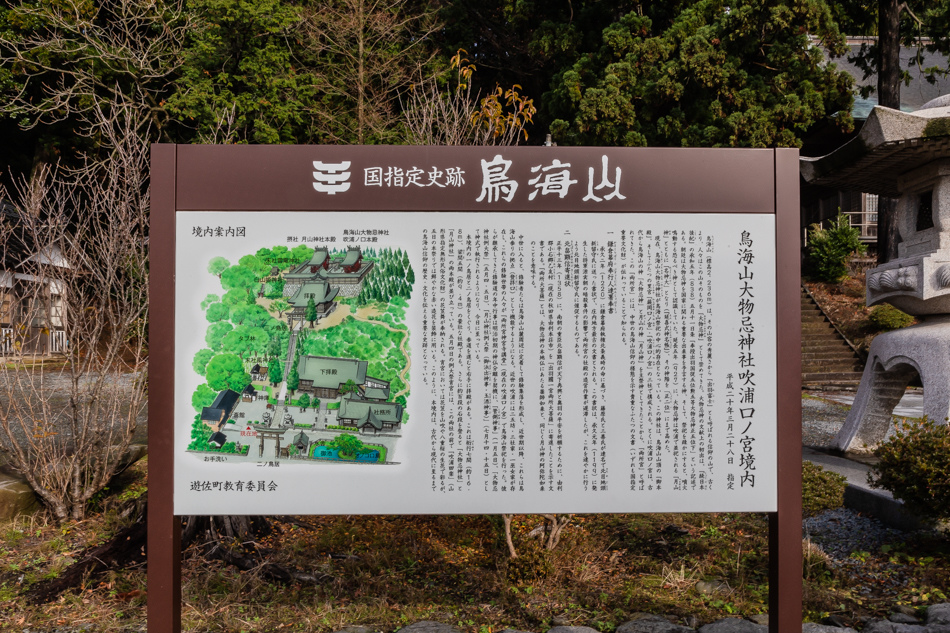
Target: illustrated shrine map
{"type": "Point", "coordinates": [554, 361]}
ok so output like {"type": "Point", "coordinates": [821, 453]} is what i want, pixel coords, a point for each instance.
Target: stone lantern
{"type": "Point", "coordinates": [905, 156]}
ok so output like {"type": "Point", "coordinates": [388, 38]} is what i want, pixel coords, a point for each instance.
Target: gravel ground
{"type": "Point", "coordinates": [821, 421]}
{"type": "Point", "coordinates": [852, 543]}
{"type": "Point", "coordinates": [841, 532]}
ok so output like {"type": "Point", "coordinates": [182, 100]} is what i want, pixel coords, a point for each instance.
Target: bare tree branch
{"type": "Point", "coordinates": [74, 59]}
{"type": "Point", "coordinates": [75, 288]}
{"type": "Point", "coordinates": [367, 52]}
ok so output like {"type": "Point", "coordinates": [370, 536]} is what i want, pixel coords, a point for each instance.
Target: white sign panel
{"type": "Point", "coordinates": [373, 363]}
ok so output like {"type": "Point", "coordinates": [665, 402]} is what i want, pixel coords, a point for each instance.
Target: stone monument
{"type": "Point", "coordinates": [905, 156]}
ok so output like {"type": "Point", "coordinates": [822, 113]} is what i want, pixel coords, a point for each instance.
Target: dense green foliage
{"type": "Point", "coordinates": [239, 81]}
{"type": "Point", "coordinates": [217, 312]}
{"type": "Point", "coordinates": [218, 265]}
{"type": "Point", "coordinates": [392, 276]}
{"type": "Point", "coordinates": [736, 74]}
{"type": "Point", "coordinates": [365, 341]}
{"type": "Point", "coordinates": [226, 371]}
{"type": "Point", "coordinates": [293, 376]}
{"type": "Point", "coordinates": [347, 444]}
{"type": "Point", "coordinates": [686, 72]}
{"type": "Point", "coordinates": [887, 317]}
{"type": "Point", "coordinates": [310, 312]}
{"type": "Point", "coordinates": [202, 397]}
{"type": "Point", "coordinates": [915, 466]}
{"type": "Point", "coordinates": [274, 374]}
{"type": "Point", "coordinates": [821, 489]}
{"type": "Point", "coordinates": [828, 249]}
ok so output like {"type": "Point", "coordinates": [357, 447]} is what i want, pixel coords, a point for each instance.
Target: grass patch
{"type": "Point", "coordinates": [388, 571]}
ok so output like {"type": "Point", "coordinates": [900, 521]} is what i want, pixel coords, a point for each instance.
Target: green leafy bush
{"type": "Point", "coordinates": [887, 317]}
{"type": "Point", "coordinates": [821, 490]}
{"type": "Point", "coordinates": [829, 249]}
{"type": "Point", "coordinates": [915, 467]}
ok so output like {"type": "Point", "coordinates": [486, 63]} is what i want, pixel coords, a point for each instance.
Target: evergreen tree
{"type": "Point", "coordinates": [274, 372]}
{"type": "Point", "coordinates": [746, 75]}
{"type": "Point", "coordinates": [240, 81]}
{"type": "Point", "coordinates": [310, 314]}
{"type": "Point", "coordinates": [293, 377]}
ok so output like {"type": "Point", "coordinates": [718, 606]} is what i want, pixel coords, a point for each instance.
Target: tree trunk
{"type": "Point", "coordinates": [512, 552]}
{"type": "Point", "coordinates": [887, 234]}
{"type": "Point", "coordinates": [888, 95]}
{"type": "Point", "coordinates": [889, 71]}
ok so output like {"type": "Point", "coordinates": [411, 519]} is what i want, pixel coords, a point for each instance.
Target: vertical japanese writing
{"type": "Point", "coordinates": [528, 344]}
{"type": "Point", "coordinates": [473, 353]}
{"type": "Point", "coordinates": [590, 339]}
{"type": "Point", "coordinates": [666, 312]}
{"type": "Point", "coordinates": [547, 274]}
{"type": "Point", "coordinates": [746, 359]}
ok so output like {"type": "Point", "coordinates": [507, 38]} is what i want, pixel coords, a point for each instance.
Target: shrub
{"type": "Point", "coordinates": [829, 249]}
{"type": "Point", "coordinates": [533, 564]}
{"type": "Point", "coordinates": [887, 317]}
{"type": "Point", "coordinates": [915, 467]}
{"type": "Point", "coordinates": [821, 490]}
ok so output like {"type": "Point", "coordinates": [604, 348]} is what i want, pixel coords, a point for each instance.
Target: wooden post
{"type": "Point", "coordinates": [785, 526]}
{"type": "Point", "coordinates": [164, 530]}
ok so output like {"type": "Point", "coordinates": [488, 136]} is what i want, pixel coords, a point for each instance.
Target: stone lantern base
{"type": "Point", "coordinates": [895, 357]}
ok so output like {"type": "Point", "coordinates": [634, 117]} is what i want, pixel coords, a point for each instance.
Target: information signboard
{"type": "Point", "coordinates": [482, 330]}
{"type": "Point", "coordinates": [480, 362]}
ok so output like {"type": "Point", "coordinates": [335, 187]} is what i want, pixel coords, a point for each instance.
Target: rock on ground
{"type": "Point", "coordinates": [939, 614]}
{"type": "Point", "coordinates": [814, 627]}
{"type": "Point", "coordinates": [733, 625]}
{"type": "Point", "coordinates": [16, 497]}
{"type": "Point", "coordinates": [428, 626]}
{"type": "Point", "coordinates": [652, 624]}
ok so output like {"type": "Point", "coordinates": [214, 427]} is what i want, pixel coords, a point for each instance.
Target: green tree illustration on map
{"type": "Point", "coordinates": [226, 371]}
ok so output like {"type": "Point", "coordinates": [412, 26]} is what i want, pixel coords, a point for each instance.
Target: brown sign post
{"type": "Point", "coordinates": [679, 185]}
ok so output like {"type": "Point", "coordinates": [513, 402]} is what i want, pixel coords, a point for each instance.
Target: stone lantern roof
{"type": "Point", "coordinates": [890, 144]}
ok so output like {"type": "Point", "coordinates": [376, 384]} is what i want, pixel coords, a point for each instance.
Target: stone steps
{"type": "Point", "coordinates": [827, 358]}
{"type": "Point", "coordinates": [821, 337]}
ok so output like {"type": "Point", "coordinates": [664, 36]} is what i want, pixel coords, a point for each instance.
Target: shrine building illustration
{"type": "Point", "coordinates": [296, 405]}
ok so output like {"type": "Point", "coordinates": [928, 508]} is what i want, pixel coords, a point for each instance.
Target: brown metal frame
{"type": "Point", "coordinates": [164, 529]}
{"type": "Point", "coordinates": [243, 178]}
